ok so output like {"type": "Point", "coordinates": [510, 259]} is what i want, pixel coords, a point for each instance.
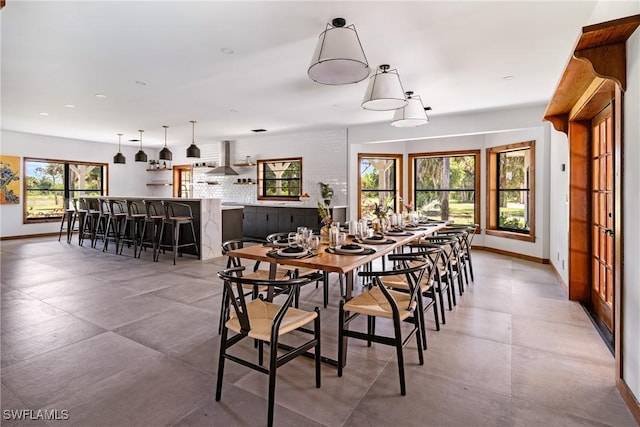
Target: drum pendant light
{"type": "Point", "coordinates": [119, 158]}
{"type": "Point", "coordinates": [414, 114]}
{"type": "Point", "coordinates": [339, 58]}
{"type": "Point", "coordinates": [165, 153]}
{"type": "Point", "coordinates": [385, 91]}
{"type": "Point", "coordinates": [193, 150]}
{"type": "Point", "coordinates": [141, 156]}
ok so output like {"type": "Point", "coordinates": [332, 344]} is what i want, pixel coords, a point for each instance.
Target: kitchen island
{"type": "Point", "coordinates": [208, 219]}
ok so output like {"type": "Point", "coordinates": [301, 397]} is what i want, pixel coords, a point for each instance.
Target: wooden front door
{"type": "Point", "coordinates": [602, 260]}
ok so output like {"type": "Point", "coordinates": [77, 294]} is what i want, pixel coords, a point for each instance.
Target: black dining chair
{"type": "Point", "coordinates": [380, 301]}
{"type": "Point", "coordinates": [267, 322]}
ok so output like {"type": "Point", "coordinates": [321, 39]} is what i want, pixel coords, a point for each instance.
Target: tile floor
{"type": "Point", "coordinates": [118, 341]}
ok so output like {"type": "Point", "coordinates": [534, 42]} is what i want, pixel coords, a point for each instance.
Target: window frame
{"type": "Point", "coordinates": [457, 153]}
{"type": "Point", "coordinates": [399, 159]}
{"type": "Point", "coordinates": [261, 180]}
{"type": "Point", "coordinates": [66, 190]}
{"type": "Point", "coordinates": [493, 190]}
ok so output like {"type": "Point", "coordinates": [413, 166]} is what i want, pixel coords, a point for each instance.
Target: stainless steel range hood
{"type": "Point", "coordinates": [225, 167]}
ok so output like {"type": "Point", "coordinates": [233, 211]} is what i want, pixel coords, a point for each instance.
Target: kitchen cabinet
{"type": "Point", "coordinates": [260, 221]}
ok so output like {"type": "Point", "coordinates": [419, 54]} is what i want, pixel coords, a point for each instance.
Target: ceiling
{"type": "Point", "coordinates": [163, 63]}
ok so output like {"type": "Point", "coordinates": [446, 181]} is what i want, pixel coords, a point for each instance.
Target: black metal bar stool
{"type": "Point", "coordinates": [154, 218]}
{"type": "Point", "coordinates": [89, 221]}
{"type": "Point", "coordinates": [68, 220]}
{"type": "Point", "coordinates": [115, 216]}
{"type": "Point", "coordinates": [132, 226]}
{"type": "Point", "coordinates": [177, 215]}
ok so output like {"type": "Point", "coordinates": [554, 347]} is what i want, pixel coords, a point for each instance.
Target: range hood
{"type": "Point", "coordinates": [225, 168]}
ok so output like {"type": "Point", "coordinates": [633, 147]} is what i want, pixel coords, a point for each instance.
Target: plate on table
{"type": "Point", "coordinates": [396, 232]}
{"type": "Point", "coordinates": [292, 252]}
{"type": "Point", "coordinates": [281, 242]}
{"type": "Point", "coordinates": [412, 227]}
{"type": "Point", "coordinates": [350, 249]}
{"type": "Point", "coordinates": [375, 240]}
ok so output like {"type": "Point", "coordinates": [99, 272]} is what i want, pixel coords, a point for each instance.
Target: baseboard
{"type": "Point", "coordinates": [512, 254]}
{"type": "Point", "coordinates": [629, 398]}
{"type": "Point", "coordinates": [30, 236]}
{"type": "Point", "coordinates": [559, 278]}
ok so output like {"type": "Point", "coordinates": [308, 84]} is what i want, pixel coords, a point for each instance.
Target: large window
{"type": "Point", "coordinates": [380, 182]}
{"type": "Point", "coordinates": [510, 184]}
{"type": "Point", "coordinates": [445, 186]}
{"type": "Point", "coordinates": [280, 179]}
{"type": "Point", "coordinates": [48, 183]}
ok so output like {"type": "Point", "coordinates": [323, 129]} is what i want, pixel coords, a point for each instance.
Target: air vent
{"type": "Point", "coordinates": [258, 130]}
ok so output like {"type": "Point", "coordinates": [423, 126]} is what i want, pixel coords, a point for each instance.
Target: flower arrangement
{"type": "Point", "coordinates": [380, 211]}
{"type": "Point", "coordinates": [325, 215]}
{"type": "Point", "coordinates": [326, 192]}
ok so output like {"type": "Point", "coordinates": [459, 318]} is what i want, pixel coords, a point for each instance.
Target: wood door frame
{"type": "Point", "coordinates": [594, 76]}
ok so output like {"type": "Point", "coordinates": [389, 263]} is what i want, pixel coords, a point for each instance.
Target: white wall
{"type": "Point", "coordinates": [559, 203]}
{"type": "Point", "coordinates": [324, 159]}
{"type": "Point", "coordinates": [631, 202]}
{"type": "Point", "coordinates": [123, 180]}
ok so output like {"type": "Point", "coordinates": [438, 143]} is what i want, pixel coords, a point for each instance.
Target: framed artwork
{"type": "Point", "coordinates": [9, 180]}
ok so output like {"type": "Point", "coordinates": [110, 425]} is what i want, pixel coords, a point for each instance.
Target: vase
{"type": "Point", "coordinates": [324, 234]}
{"type": "Point", "coordinates": [379, 224]}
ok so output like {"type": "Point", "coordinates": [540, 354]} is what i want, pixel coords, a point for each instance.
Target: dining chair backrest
{"type": "Point", "coordinates": [233, 244]}
{"type": "Point", "coordinates": [413, 274]}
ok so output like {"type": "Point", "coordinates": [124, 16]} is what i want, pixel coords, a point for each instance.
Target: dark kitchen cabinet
{"type": "Point", "coordinates": [260, 221]}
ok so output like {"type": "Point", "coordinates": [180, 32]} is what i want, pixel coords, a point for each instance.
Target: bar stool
{"type": "Point", "coordinates": [114, 220]}
{"type": "Point", "coordinates": [88, 220]}
{"type": "Point", "coordinates": [131, 226]}
{"type": "Point", "coordinates": [175, 222]}
{"type": "Point", "coordinates": [153, 218]}
{"type": "Point", "coordinates": [68, 220]}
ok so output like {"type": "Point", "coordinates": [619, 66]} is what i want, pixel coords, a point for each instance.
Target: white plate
{"type": "Point", "coordinates": [281, 252]}
{"type": "Point", "coordinates": [395, 233]}
{"type": "Point", "coordinates": [349, 251]}
{"type": "Point", "coordinates": [374, 241]}
{"type": "Point", "coordinates": [276, 243]}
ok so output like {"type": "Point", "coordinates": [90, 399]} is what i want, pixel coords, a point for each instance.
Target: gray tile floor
{"type": "Point", "coordinates": [118, 341]}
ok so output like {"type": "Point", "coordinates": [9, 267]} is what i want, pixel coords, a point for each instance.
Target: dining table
{"type": "Point", "coordinates": [331, 260]}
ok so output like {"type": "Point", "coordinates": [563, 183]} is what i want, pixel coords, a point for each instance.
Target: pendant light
{"type": "Point", "coordinates": [193, 150]}
{"type": "Point", "coordinates": [141, 156]}
{"type": "Point", "coordinates": [414, 114]}
{"type": "Point", "coordinates": [338, 58]}
{"type": "Point", "coordinates": [119, 158]}
{"type": "Point", "coordinates": [385, 91]}
{"type": "Point", "coordinates": [165, 153]}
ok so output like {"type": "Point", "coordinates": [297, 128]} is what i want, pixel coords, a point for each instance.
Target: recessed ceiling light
{"type": "Point", "coordinates": [99, 95]}
{"type": "Point", "coordinates": [227, 51]}
{"type": "Point", "coordinates": [233, 111]}
{"type": "Point", "coordinates": [509, 77]}
{"type": "Point", "coordinates": [258, 130]}
{"type": "Point", "coordinates": [69, 105]}
{"type": "Point", "coordinates": [44, 114]}
{"type": "Point", "coordinates": [336, 105]}
{"type": "Point", "coordinates": [141, 83]}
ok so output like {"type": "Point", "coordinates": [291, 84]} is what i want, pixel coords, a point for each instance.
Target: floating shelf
{"type": "Point", "coordinates": [244, 183]}
{"type": "Point", "coordinates": [159, 170]}
{"type": "Point", "coordinates": [155, 184]}
{"type": "Point", "coordinates": [243, 165]}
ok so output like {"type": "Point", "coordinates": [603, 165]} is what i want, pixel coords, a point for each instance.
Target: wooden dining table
{"type": "Point", "coordinates": [332, 262]}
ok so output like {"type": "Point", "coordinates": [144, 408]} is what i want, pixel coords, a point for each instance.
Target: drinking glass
{"type": "Point", "coordinates": [334, 235]}
{"type": "Point", "coordinates": [293, 239]}
{"type": "Point", "coordinates": [314, 244]}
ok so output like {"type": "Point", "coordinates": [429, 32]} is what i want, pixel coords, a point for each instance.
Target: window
{"type": "Point", "coordinates": [379, 181]}
{"type": "Point", "coordinates": [280, 179]}
{"type": "Point", "coordinates": [510, 195]}
{"type": "Point", "coordinates": [446, 186]}
{"type": "Point", "coordinates": [49, 182]}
